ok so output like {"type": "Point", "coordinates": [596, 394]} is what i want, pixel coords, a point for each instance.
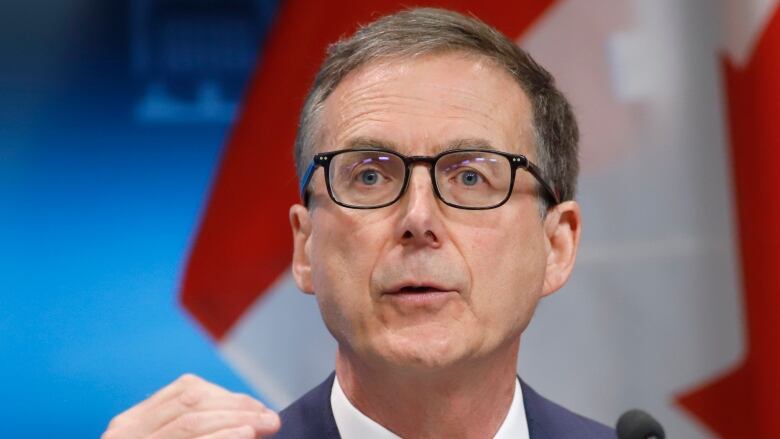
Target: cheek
{"type": "Point", "coordinates": [345, 244]}
{"type": "Point", "coordinates": [508, 265]}
{"type": "Point", "coordinates": [344, 251]}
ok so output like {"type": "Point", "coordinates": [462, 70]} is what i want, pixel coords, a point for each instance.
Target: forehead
{"type": "Point", "coordinates": [424, 104]}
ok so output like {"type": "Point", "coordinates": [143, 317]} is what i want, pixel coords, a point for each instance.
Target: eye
{"type": "Point", "coordinates": [369, 177]}
{"type": "Point", "coordinates": [469, 178]}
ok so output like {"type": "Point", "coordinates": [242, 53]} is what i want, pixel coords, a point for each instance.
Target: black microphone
{"type": "Point", "coordinates": [636, 424]}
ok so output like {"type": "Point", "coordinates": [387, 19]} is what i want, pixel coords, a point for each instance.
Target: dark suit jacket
{"type": "Point", "coordinates": [311, 417]}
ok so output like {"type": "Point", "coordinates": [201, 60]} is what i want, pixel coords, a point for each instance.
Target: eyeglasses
{"type": "Point", "coordinates": [472, 179]}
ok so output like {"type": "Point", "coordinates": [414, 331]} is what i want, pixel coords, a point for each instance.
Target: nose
{"type": "Point", "coordinates": [420, 224]}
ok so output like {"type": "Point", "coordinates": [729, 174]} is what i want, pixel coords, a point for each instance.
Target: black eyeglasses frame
{"type": "Point", "coordinates": [516, 161]}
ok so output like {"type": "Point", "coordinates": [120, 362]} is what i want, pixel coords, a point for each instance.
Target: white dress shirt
{"type": "Point", "coordinates": [353, 424]}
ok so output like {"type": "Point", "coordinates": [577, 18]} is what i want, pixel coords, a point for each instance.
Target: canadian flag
{"type": "Point", "coordinates": [673, 306]}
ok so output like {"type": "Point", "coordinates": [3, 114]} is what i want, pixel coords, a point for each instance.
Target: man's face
{"type": "Point", "coordinates": [419, 283]}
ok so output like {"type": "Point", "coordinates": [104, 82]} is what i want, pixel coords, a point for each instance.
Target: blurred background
{"type": "Point", "coordinates": [113, 117]}
{"type": "Point", "coordinates": [140, 238]}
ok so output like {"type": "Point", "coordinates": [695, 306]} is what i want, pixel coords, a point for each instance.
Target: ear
{"type": "Point", "coordinates": [562, 233]}
{"type": "Point", "coordinates": [300, 221]}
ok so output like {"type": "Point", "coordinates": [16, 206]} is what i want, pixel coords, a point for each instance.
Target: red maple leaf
{"type": "Point", "coordinates": [746, 402]}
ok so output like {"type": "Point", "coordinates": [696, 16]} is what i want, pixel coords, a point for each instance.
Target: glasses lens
{"type": "Point", "coordinates": [366, 178]}
{"type": "Point", "coordinates": [473, 178]}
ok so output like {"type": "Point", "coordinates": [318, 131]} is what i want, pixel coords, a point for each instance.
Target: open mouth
{"type": "Point", "coordinates": [419, 290]}
{"type": "Point", "coordinates": [415, 296]}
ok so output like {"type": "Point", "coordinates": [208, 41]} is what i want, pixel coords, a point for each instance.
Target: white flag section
{"type": "Point", "coordinates": [653, 307]}
{"type": "Point", "coordinates": [280, 345]}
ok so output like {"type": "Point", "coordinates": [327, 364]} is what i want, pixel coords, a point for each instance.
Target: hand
{"type": "Point", "coordinates": [192, 407]}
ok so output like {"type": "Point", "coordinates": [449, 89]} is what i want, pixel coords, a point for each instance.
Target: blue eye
{"type": "Point", "coordinates": [469, 178]}
{"type": "Point", "coordinates": [369, 177]}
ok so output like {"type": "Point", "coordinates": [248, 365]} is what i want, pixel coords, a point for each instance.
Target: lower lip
{"type": "Point", "coordinates": [422, 298]}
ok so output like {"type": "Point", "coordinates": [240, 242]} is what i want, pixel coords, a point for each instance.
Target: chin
{"type": "Point", "coordinates": [422, 350]}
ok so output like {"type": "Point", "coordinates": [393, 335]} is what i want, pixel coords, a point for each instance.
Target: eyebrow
{"type": "Point", "coordinates": [469, 143]}
{"type": "Point", "coordinates": [379, 144]}
{"type": "Point", "coordinates": [370, 143]}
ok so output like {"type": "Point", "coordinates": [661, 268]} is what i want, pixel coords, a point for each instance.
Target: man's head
{"type": "Point", "coordinates": [425, 31]}
{"type": "Point", "coordinates": [420, 283]}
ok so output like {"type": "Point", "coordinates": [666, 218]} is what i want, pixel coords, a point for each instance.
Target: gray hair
{"type": "Point", "coordinates": [423, 31]}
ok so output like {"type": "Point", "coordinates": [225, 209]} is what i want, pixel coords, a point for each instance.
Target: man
{"type": "Point", "coordinates": [438, 164]}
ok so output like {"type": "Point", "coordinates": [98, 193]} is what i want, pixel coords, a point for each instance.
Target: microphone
{"type": "Point", "coordinates": [637, 424]}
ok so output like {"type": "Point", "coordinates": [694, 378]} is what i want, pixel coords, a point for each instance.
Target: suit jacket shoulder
{"type": "Point", "coordinates": [548, 420]}
{"type": "Point", "coordinates": [311, 417]}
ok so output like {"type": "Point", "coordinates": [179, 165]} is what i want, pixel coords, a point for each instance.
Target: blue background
{"type": "Point", "coordinates": [100, 198]}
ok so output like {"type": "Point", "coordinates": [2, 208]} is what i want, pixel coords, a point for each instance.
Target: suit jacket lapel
{"type": "Point", "coordinates": [325, 420]}
{"type": "Point", "coordinates": [531, 401]}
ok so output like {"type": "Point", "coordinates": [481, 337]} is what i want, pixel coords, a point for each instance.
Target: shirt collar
{"type": "Point", "coordinates": [353, 424]}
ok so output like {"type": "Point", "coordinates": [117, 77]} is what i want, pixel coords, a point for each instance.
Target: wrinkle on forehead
{"type": "Point", "coordinates": [358, 107]}
{"type": "Point", "coordinates": [380, 94]}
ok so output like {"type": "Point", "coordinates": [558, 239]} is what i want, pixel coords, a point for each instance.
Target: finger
{"type": "Point", "coordinates": [201, 399]}
{"type": "Point", "coordinates": [182, 384]}
{"type": "Point", "coordinates": [193, 424]}
{"type": "Point", "coordinates": [245, 432]}
{"type": "Point", "coordinates": [188, 393]}
{"type": "Point", "coordinates": [168, 392]}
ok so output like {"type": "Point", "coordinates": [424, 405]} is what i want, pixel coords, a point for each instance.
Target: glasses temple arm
{"type": "Point", "coordinates": [305, 179]}
{"type": "Point", "coordinates": [536, 172]}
